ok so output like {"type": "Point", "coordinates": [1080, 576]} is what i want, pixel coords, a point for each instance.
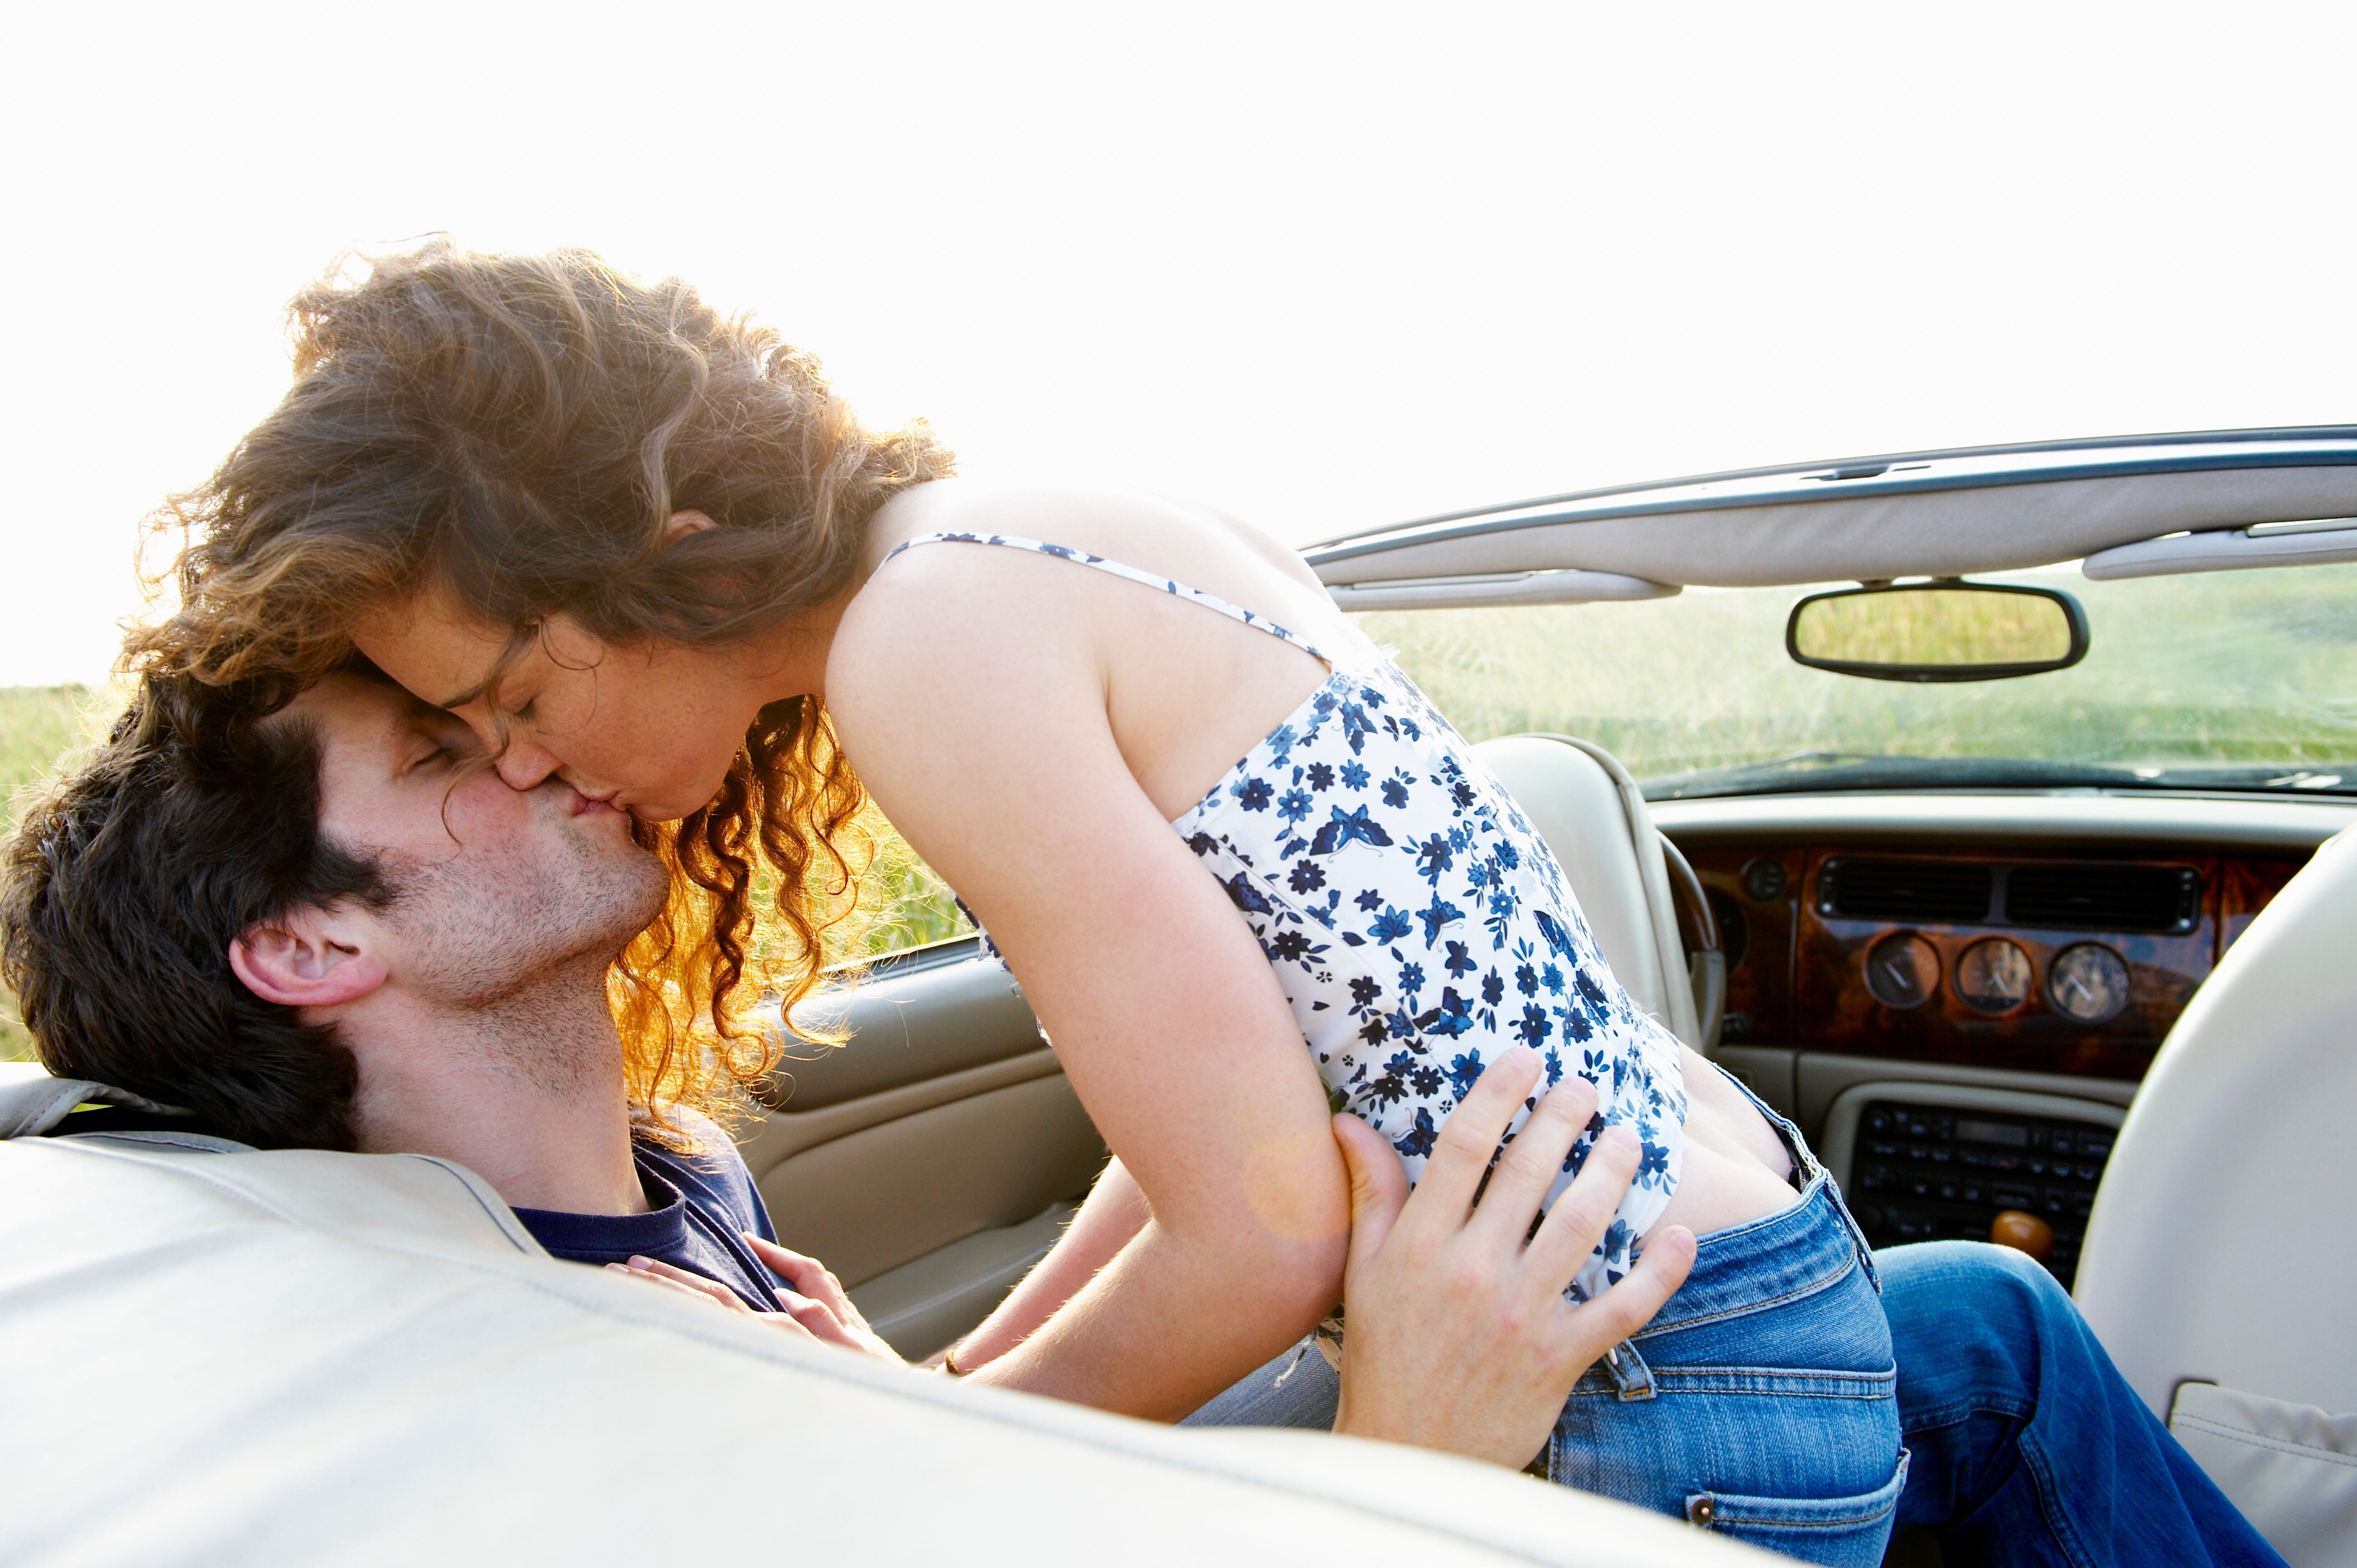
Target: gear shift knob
{"type": "Point", "coordinates": [2024, 1232]}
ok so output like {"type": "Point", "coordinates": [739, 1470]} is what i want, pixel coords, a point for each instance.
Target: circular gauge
{"type": "Point", "coordinates": [1902, 970]}
{"type": "Point", "coordinates": [2088, 983]}
{"type": "Point", "coordinates": [1992, 976]}
{"type": "Point", "coordinates": [1764, 881]}
{"type": "Point", "coordinates": [1734, 931]}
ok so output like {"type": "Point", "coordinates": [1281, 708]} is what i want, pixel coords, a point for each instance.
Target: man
{"type": "Point", "coordinates": [326, 923]}
{"type": "Point", "coordinates": [415, 961]}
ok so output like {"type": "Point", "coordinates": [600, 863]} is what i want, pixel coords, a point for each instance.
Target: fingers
{"type": "Point", "coordinates": [678, 1280]}
{"type": "Point", "coordinates": [787, 1324]}
{"type": "Point", "coordinates": [818, 1318]}
{"type": "Point", "coordinates": [1378, 1184]}
{"type": "Point", "coordinates": [1471, 1135]}
{"type": "Point", "coordinates": [1581, 1215]}
{"type": "Point", "coordinates": [1630, 1305]}
{"type": "Point", "coordinates": [676, 1275]}
{"type": "Point", "coordinates": [810, 1280]}
{"type": "Point", "coordinates": [1533, 1160]}
{"type": "Point", "coordinates": [785, 1262]}
{"type": "Point", "coordinates": [784, 1259]}
{"type": "Point", "coordinates": [806, 1274]}
{"type": "Point", "coordinates": [695, 1286]}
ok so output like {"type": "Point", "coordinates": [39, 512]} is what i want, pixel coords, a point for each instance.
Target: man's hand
{"type": "Point", "coordinates": [1459, 1336]}
{"type": "Point", "coordinates": [818, 1309]}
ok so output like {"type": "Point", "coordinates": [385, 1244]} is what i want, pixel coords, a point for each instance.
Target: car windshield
{"type": "Point", "coordinates": [2233, 681]}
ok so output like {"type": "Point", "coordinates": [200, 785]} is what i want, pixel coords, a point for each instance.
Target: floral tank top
{"type": "Point", "coordinates": [1416, 922]}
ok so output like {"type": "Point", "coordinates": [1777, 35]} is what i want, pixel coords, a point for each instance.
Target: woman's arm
{"type": "Point", "coordinates": [980, 725]}
{"type": "Point", "coordinates": [1115, 1212]}
{"type": "Point", "coordinates": [1460, 1337]}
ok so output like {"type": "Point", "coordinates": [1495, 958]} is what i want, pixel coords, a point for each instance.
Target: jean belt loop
{"type": "Point", "coordinates": [1632, 1378]}
{"type": "Point", "coordinates": [1856, 1236]}
{"type": "Point", "coordinates": [1865, 1259]}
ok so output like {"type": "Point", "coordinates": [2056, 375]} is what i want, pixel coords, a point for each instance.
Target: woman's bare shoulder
{"type": "Point", "coordinates": [941, 644]}
{"type": "Point", "coordinates": [1153, 533]}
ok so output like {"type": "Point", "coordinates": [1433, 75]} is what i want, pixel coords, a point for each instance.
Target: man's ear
{"type": "Point", "coordinates": [307, 959]}
{"type": "Point", "coordinates": [686, 522]}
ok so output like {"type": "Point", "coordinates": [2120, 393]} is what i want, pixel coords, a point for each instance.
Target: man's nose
{"type": "Point", "coordinates": [523, 765]}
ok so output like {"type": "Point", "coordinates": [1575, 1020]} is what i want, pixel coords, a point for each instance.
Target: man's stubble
{"type": "Point", "coordinates": [518, 945]}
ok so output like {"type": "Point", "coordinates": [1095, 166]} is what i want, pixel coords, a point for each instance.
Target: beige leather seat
{"type": "Point", "coordinates": [219, 1355]}
{"type": "Point", "coordinates": [2219, 1269]}
{"type": "Point", "coordinates": [1587, 808]}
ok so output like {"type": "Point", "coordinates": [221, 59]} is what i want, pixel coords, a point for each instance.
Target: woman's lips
{"type": "Point", "coordinates": [594, 805]}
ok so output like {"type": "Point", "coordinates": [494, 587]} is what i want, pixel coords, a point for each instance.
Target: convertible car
{"type": "Point", "coordinates": [1978, 807]}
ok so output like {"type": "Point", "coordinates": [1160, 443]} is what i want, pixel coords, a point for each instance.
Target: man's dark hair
{"type": "Point", "coordinates": [125, 883]}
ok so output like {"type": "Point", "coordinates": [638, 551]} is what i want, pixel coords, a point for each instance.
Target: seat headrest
{"type": "Point", "coordinates": [1576, 808]}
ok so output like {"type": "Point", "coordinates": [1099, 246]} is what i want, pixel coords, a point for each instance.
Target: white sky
{"type": "Point", "coordinates": [1326, 266]}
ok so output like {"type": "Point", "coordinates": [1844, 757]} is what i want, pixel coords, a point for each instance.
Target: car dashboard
{"type": "Point", "coordinates": [1955, 996]}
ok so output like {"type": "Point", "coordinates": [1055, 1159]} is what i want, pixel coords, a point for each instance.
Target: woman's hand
{"type": "Point", "coordinates": [819, 1303]}
{"type": "Point", "coordinates": [1460, 1337]}
{"type": "Point", "coordinates": [824, 1314]}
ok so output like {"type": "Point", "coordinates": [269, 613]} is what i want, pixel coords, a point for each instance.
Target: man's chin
{"type": "Point", "coordinates": [614, 874]}
{"type": "Point", "coordinates": [650, 890]}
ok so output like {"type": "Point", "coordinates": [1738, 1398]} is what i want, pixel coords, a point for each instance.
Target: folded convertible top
{"type": "Point", "coordinates": [221, 1355]}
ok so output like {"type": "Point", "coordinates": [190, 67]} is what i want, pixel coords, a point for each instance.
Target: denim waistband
{"type": "Point", "coordinates": [1751, 1268]}
{"type": "Point", "coordinates": [1807, 1174]}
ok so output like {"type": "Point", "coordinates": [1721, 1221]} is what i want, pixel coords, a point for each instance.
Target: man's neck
{"type": "Point", "coordinates": [528, 1094]}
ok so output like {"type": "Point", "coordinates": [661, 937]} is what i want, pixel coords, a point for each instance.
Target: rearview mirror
{"type": "Point", "coordinates": [1942, 631]}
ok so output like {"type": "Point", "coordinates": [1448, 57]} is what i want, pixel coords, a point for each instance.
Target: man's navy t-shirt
{"type": "Point", "coordinates": [697, 1205]}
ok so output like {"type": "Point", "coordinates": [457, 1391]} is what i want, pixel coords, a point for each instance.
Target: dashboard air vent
{"type": "Point", "coordinates": [2104, 897]}
{"type": "Point", "coordinates": [1910, 890]}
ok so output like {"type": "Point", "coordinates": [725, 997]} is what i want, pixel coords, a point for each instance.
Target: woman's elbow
{"type": "Point", "coordinates": [1301, 1237]}
{"type": "Point", "coordinates": [1311, 1275]}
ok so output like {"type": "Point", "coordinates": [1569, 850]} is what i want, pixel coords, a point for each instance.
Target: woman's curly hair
{"type": "Point", "coordinates": [521, 429]}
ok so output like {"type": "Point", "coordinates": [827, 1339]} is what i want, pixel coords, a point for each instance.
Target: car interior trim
{"type": "Point", "coordinates": [1820, 1078]}
{"type": "Point", "coordinates": [1499, 588]}
{"type": "Point", "coordinates": [1974, 468]}
{"type": "Point", "coordinates": [923, 1306]}
{"type": "Point", "coordinates": [908, 1026]}
{"type": "Point", "coordinates": [1857, 538]}
{"type": "Point", "coordinates": [783, 1133]}
{"type": "Point", "coordinates": [2313, 544]}
{"type": "Point", "coordinates": [892, 1193]}
{"type": "Point", "coordinates": [2016, 820]}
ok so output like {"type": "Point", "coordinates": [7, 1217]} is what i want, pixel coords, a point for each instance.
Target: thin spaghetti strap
{"type": "Point", "coordinates": [1166, 584]}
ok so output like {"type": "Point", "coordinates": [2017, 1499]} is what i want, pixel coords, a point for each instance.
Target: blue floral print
{"type": "Point", "coordinates": [1399, 894]}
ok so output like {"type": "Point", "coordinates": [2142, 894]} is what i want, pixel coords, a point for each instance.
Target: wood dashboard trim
{"type": "Point", "coordinates": [2027, 820]}
{"type": "Point", "coordinates": [1801, 982]}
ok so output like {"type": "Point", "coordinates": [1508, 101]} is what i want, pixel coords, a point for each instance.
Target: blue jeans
{"type": "Point", "coordinates": [2028, 1446]}
{"type": "Point", "coordinates": [1759, 1402]}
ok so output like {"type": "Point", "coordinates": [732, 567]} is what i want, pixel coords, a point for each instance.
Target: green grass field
{"type": "Point", "coordinates": [41, 728]}
{"type": "Point", "coordinates": [2224, 667]}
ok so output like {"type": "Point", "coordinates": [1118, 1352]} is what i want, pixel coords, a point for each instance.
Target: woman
{"type": "Point", "coordinates": [643, 548]}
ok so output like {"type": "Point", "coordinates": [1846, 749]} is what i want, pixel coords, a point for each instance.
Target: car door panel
{"type": "Point", "coordinates": [893, 1192]}
{"type": "Point", "coordinates": [931, 1012]}
{"type": "Point", "coordinates": [922, 1307]}
{"type": "Point", "coordinates": [933, 1155]}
